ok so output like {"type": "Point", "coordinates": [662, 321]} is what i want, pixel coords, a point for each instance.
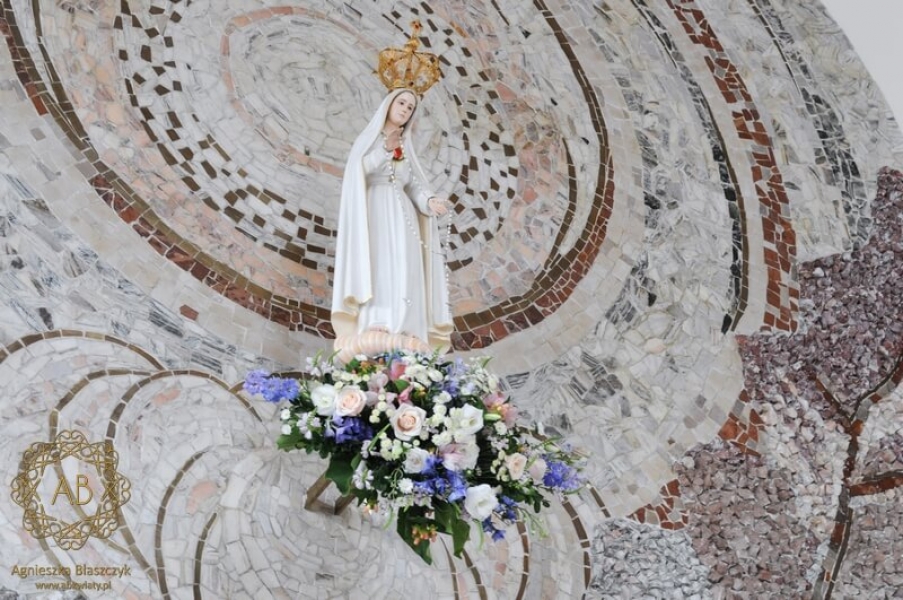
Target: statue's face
{"type": "Point", "coordinates": [401, 109]}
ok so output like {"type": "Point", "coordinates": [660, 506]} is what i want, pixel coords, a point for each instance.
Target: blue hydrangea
{"type": "Point", "coordinates": [424, 488]}
{"type": "Point", "coordinates": [349, 429]}
{"type": "Point", "coordinates": [561, 476]}
{"type": "Point", "coordinates": [432, 462]}
{"type": "Point", "coordinates": [273, 389]}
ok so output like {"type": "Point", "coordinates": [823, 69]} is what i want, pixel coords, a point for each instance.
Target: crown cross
{"type": "Point", "coordinates": [408, 68]}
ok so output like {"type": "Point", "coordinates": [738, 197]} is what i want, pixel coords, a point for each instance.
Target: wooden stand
{"type": "Point", "coordinates": [314, 504]}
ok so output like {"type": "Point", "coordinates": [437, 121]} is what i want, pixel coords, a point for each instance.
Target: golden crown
{"type": "Point", "coordinates": [407, 68]}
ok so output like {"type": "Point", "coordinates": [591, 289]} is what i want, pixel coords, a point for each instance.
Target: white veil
{"type": "Point", "coordinates": [352, 284]}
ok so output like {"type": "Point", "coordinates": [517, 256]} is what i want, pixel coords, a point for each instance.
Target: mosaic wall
{"type": "Point", "coordinates": [676, 231]}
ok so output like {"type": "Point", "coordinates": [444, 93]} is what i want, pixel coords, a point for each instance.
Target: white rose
{"type": "Point", "coordinates": [323, 397]}
{"type": "Point", "coordinates": [480, 501]}
{"type": "Point", "coordinates": [538, 470]}
{"type": "Point", "coordinates": [350, 402]}
{"type": "Point", "coordinates": [415, 460]}
{"type": "Point", "coordinates": [407, 421]}
{"type": "Point", "coordinates": [516, 464]}
{"type": "Point", "coordinates": [465, 421]}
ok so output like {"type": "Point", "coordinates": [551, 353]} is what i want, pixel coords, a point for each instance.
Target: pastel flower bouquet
{"type": "Point", "coordinates": [430, 440]}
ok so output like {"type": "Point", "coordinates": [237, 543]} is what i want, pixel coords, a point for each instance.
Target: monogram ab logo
{"type": "Point", "coordinates": [70, 508]}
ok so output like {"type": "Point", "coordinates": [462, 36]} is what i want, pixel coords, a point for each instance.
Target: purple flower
{"type": "Point", "coordinates": [440, 486]}
{"type": "Point", "coordinates": [506, 509]}
{"type": "Point", "coordinates": [424, 488]}
{"type": "Point", "coordinates": [455, 371]}
{"type": "Point", "coordinates": [497, 534]}
{"type": "Point", "coordinates": [560, 476]}
{"type": "Point", "coordinates": [429, 467]}
{"type": "Point", "coordinates": [457, 485]}
{"type": "Point", "coordinates": [349, 429]}
{"type": "Point", "coordinates": [273, 389]}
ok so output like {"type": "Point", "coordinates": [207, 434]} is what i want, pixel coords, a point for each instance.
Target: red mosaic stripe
{"type": "Point", "coordinates": [556, 282]}
{"type": "Point", "coordinates": [779, 237]}
{"type": "Point", "coordinates": [274, 308]}
{"type": "Point", "coordinates": [20, 65]}
{"type": "Point", "coordinates": [561, 273]}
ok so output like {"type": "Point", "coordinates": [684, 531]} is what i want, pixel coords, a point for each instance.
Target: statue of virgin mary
{"type": "Point", "coordinates": [390, 287]}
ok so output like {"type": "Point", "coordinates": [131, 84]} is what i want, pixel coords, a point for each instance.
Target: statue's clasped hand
{"type": "Point", "coordinates": [438, 206]}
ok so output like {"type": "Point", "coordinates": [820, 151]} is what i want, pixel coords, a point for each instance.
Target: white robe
{"type": "Point", "coordinates": [384, 276]}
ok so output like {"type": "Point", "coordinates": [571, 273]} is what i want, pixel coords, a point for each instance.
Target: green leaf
{"type": "Point", "coordinates": [405, 529]}
{"type": "Point", "coordinates": [401, 385]}
{"type": "Point", "coordinates": [446, 515]}
{"type": "Point", "coordinates": [340, 472]}
{"type": "Point", "coordinates": [460, 535]}
{"type": "Point", "coordinates": [290, 441]}
{"type": "Point", "coordinates": [448, 519]}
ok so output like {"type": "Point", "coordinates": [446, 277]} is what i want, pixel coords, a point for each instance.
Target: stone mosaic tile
{"type": "Point", "coordinates": [670, 232]}
{"type": "Point", "coordinates": [871, 566]}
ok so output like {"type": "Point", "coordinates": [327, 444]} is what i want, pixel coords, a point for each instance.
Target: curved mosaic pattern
{"type": "Point", "coordinates": [216, 512]}
{"type": "Point", "coordinates": [242, 128]}
{"type": "Point", "coordinates": [665, 212]}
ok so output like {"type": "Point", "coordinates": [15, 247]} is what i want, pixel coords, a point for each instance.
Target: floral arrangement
{"type": "Point", "coordinates": [430, 440]}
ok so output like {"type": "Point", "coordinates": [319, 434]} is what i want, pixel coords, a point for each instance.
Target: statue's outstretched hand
{"type": "Point", "coordinates": [438, 206]}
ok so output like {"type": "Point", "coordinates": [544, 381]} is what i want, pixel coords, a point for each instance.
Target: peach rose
{"type": "Point", "coordinates": [538, 470]}
{"type": "Point", "coordinates": [407, 422]}
{"type": "Point", "coordinates": [350, 402]}
{"type": "Point", "coordinates": [516, 464]}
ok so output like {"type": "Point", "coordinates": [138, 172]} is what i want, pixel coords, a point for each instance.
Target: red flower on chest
{"type": "Point", "coordinates": [398, 153]}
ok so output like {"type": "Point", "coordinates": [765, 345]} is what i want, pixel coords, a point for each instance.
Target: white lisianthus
{"type": "Point", "coordinates": [435, 375]}
{"type": "Point", "coordinates": [287, 429]}
{"type": "Point", "coordinates": [480, 501]}
{"type": "Point", "coordinates": [323, 397]}
{"type": "Point", "coordinates": [405, 486]}
{"type": "Point", "coordinates": [415, 460]}
{"type": "Point", "coordinates": [516, 464]}
{"type": "Point", "coordinates": [465, 421]}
